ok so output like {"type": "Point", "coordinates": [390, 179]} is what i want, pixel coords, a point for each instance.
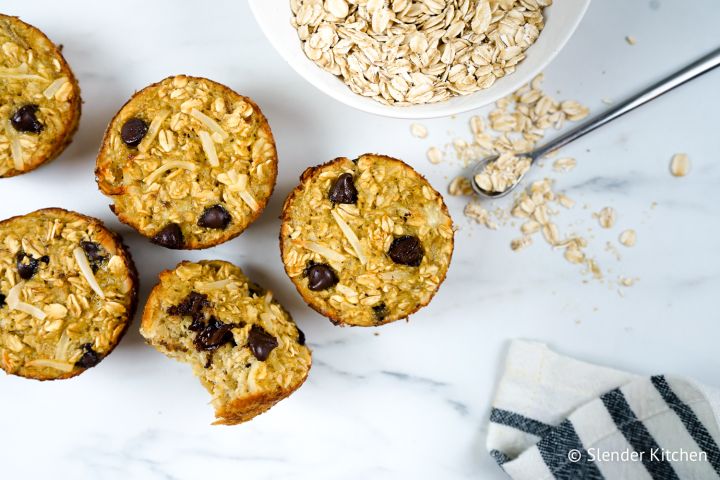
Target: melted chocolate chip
{"type": "Point", "coordinates": [255, 289]}
{"type": "Point", "coordinates": [261, 343]}
{"type": "Point", "coordinates": [24, 120]}
{"type": "Point", "coordinates": [406, 250]}
{"type": "Point", "coordinates": [320, 276]}
{"type": "Point", "coordinates": [133, 131]}
{"type": "Point", "coordinates": [27, 266]}
{"type": "Point", "coordinates": [214, 335]}
{"type": "Point", "coordinates": [215, 217]}
{"type": "Point", "coordinates": [380, 311]}
{"type": "Point", "coordinates": [94, 253]}
{"type": "Point", "coordinates": [301, 337]}
{"type": "Point", "coordinates": [193, 306]}
{"type": "Point", "coordinates": [170, 237]}
{"type": "Point", "coordinates": [343, 190]}
{"type": "Point", "coordinates": [90, 358]}
{"type": "Point", "coordinates": [2, 300]}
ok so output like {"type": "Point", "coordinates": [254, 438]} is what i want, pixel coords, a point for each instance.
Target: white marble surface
{"type": "Point", "coordinates": [407, 400]}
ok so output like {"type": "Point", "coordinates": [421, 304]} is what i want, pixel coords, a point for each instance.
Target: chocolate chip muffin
{"type": "Point", "coordinates": [188, 163]}
{"type": "Point", "coordinates": [39, 98]}
{"type": "Point", "coordinates": [68, 291]}
{"type": "Point", "coordinates": [244, 346]}
{"type": "Point", "coordinates": [365, 241]}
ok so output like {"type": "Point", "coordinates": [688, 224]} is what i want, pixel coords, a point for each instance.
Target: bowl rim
{"type": "Point", "coordinates": [299, 64]}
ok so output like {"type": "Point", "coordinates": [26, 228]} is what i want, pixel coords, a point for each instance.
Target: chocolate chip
{"type": "Point", "coordinates": [301, 337]}
{"type": "Point", "coordinates": [320, 276]}
{"type": "Point", "coordinates": [215, 217]}
{"type": "Point", "coordinates": [170, 237]}
{"type": "Point", "coordinates": [214, 335]}
{"type": "Point", "coordinates": [343, 190]}
{"type": "Point", "coordinates": [90, 358]}
{"type": "Point", "coordinates": [380, 311]}
{"type": "Point", "coordinates": [261, 343]}
{"type": "Point", "coordinates": [26, 265]}
{"type": "Point", "coordinates": [94, 253]}
{"type": "Point", "coordinates": [45, 259]}
{"type": "Point", "coordinates": [255, 289]}
{"type": "Point", "coordinates": [24, 119]}
{"type": "Point", "coordinates": [192, 305]}
{"type": "Point", "coordinates": [133, 131]}
{"type": "Point", "coordinates": [406, 250]}
{"type": "Point", "coordinates": [2, 299]}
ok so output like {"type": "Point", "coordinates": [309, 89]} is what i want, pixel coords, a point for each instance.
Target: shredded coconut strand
{"type": "Point", "coordinates": [86, 271]}
{"type": "Point", "coordinates": [209, 148]}
{"type": "Point", "coordinates": [326, 252]}
{"type": "Point", "coordinates": [351, 237]}
{"type": "Point", "coordinates": [168, 166]}
{"type": "Point", "coordinates": [13, 301]}
{"type": "Point", "coordinates": [56, 364]}
{"type": "Point", "coordinates": [153, 131]}
{"type": "Point", "coordinates": [209, 123]}
{"type": "Point", "coordinates": [249, 199]}
{"type": "Point", "coordinates": [54, 87]}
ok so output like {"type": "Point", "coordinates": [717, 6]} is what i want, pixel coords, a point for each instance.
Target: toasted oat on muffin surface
{"type": "Point", "coordinates": [188, 162]}
{"type": "Point", "coordinates": [68, 290]}
{"type": "Point", "coordinates": [366, 242]}
{"type": "Point", "coordinates": [240, 342]}
{"type": "Point", "coordinates": [39, 98]}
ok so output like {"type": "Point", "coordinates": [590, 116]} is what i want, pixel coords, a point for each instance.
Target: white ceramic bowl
{"type": "Point", "coordinates": [562, 18]}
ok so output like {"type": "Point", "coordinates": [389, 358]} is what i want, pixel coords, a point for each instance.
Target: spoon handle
{"type": "Point", "coordinates": [698, 67]}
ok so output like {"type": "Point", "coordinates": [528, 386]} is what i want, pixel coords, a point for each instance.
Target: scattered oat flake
{"type": "Point", "coordinates": [680, 165]}
{"type": "Point", "coordinates": [626, 282]}
{"type": "Point", "coordinates": [564, 164]}
{"type": "Point", "coordinates": [606, 217]}
{"type": "Point", "coordinates": [520, 243]}
{"type": "Point", "coordinates": [434, 155]}
{"type": "Point", "coordinates": [460, 186]}
{"type": "Point", "coordinates": [474, 211]}
{"type": "Point", "coordinates": [419, 131]}
{"type": "Point", "coordinates": [631, 40]}
{"type": "Point", "coordinates": [628, 238]}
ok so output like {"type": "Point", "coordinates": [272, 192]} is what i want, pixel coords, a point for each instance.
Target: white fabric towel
{"type": "Point", "coordinates": [555, 417]}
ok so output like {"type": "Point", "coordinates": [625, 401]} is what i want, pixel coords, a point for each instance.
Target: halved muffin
{"type": "Point", "coordinates": [241, 343]}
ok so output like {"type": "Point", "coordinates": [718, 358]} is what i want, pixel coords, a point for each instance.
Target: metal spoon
{"type": "Point", "coordinates": [697, 68]}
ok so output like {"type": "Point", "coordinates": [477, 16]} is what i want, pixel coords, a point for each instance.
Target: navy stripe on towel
{"type": "Point", "coordinates": [637, 435]}
{"type": "Point", "coordinates": [555, 448]}
{"type": "Point", "coordinates": [694, 427]}
{"type": "Point", "coordinates": [520, 422]}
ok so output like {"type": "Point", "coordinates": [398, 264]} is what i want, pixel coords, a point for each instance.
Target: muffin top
{"type": "Point", "coordinates": [366, 242]}
{"type": "Point", "coordinates": [188, 162]}
{"type": "Point", "coordinates": [67, 293]}
{"type": "Point", "coordinates": [243, 345]}
{"type": "Point", "coordinates": [39, 98]}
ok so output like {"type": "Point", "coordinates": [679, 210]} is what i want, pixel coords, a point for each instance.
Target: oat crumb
{"type": "Point", "coordinates": [680, 165]}
{"type": "Point", "coordinates": [628, 238]}
{"type": "Point", "coordinates": [418, 131]}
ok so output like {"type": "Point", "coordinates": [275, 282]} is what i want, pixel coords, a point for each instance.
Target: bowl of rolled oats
{"type": "Point", "coordinates": [418, 58]}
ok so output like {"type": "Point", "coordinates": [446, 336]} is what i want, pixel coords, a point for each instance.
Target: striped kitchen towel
{"type": "Point", "coordinates": [555, 417]}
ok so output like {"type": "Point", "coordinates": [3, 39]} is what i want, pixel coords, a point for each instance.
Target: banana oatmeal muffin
{"type": "Point", "coordinates": [39, 98]}
{"type": "Point", "coordinates": [188, 163]}
{"type": "Point", "coordinates": [241, 343]}
{"type": "Point", "coordinates": [366, 241]}
{"type": "Point", "coordinates": [68, 290]}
